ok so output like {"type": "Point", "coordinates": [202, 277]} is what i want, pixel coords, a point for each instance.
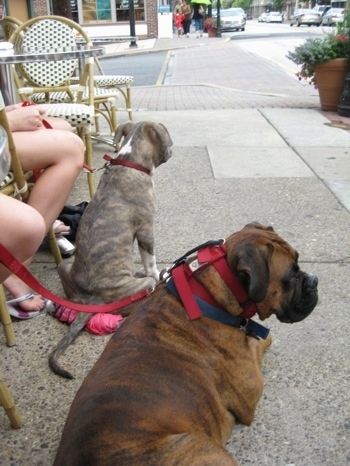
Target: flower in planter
{"type": "Point", "coordinates": [210, 24]}
{"type": "Point", "coordinates": [315, 51]}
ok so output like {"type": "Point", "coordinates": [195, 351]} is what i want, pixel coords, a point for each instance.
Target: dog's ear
{"type": "Point", "coordinates": [159, 135]}
{"type": "Point", "coordinates": [122, 131]}
{"type": "Point", "coordinates": [259, 226]}
{"type": "Point", "coordinates": [158, 130]}
{"type": "Point", "coordinates": [253, 269]}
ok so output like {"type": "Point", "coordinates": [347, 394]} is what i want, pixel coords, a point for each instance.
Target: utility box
{"type": "Point", "coordinates": [165, 22]}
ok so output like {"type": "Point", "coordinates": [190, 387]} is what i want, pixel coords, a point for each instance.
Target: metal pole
{"type": "Point", "coordinates": [218, 6]}
{"type": "Point", "coordinates": [132, 24]}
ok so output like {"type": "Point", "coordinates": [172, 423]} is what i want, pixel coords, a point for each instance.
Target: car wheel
{"type": "Point", "coordinates": [298, 24]}
{"type": "Point", "coordinates": [291, 25]}
{"type": "Point", "coordinates": [242, 29]}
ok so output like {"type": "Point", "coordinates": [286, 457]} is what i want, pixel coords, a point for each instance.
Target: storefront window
{"type": "Point", "coordinates": [97, 11]}
{"type": "Point", "coordinates": [74, 10]}
{"type": "Point", "coordinates": [101, 11]}
{"type": "Point", "coordinates": [122, 10]}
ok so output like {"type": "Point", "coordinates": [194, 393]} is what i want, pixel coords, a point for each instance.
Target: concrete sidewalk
{"type": "Point", "coordinates": [287, 167]}
{"type": "Point", "coordinates": [311, 140]}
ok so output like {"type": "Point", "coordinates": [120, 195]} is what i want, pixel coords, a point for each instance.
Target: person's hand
{"type": "Point", "coordinates": [26, 118]}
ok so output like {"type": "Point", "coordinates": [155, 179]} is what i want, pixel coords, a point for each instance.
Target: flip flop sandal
{"type": "Point", "coordinates": [66, 247]}
{"type": "Point", "coordinates": [16, 311]}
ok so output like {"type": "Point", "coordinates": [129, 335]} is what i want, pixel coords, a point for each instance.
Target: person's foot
{"type": "Point", "coordinates": [60, 228]}
{"type": "Point", "coordinates": [15, 309]}
{"type": "Point", "coordinates": [29, 302]}
{"type": "Point", "coordinates": [66, 247]}
{"type": "Point", "coordinates": [19, 290]}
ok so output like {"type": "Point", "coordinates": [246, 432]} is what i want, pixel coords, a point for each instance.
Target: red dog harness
{"type": "Point", "coordinates": [197, 300]}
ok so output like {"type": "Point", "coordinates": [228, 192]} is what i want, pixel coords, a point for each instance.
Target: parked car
{"type": "Point", "coordinates": [240, 10]}
{"type": "Point", "coordinates": [333, 16]}
{"type": "Point", "coordinates": [321, 9]}
{"type": "Point", "coordinates": [274, 17]}
{"type": "Point", "coordinates": [232, 20]}
{"type": "Point", "coordinates": [263, 18]}
{"type": "Point", "coordinates": [305, 16]}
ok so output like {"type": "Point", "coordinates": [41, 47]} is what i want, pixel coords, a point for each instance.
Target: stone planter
{"type": "Point", "coordinates": [330, 78]}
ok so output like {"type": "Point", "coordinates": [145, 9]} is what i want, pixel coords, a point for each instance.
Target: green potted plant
{"type": "Point", "coordinates": [325, 58]}
{"type": "Point", "coordinates": [211, 26]}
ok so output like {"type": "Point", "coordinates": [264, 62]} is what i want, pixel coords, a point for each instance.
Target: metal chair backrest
{"type": "Point", "coordinates": [9, 24]}
{"type": "Point", "coordinates": [50, 34]}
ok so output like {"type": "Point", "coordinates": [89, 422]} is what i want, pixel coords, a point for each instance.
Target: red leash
{"type": "Point", "coordinates": [16, 267]}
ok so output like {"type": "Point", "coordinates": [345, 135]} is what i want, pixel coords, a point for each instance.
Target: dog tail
{"type": "Point", "coordinates": [75, 328]}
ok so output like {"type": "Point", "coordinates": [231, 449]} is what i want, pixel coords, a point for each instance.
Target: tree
{"type": "Point", "coordinates": [278, 5]}
{"type": "Point", "coordinates": [245, 4]}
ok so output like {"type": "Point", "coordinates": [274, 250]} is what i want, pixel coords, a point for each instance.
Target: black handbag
{"type": "Point", "coordinates": [70, 216]}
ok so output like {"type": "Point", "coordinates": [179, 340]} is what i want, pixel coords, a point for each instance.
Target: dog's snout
{"type": "Point", "coordinates": [312, 281]}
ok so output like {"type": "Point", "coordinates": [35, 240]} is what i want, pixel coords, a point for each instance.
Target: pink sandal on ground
{"type": "Point", "coordinates": [16, 311]}
{"type": "Point", "coordinates": [99, 324]}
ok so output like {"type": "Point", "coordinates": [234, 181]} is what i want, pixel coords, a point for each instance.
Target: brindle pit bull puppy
{"type": "Point", "coordinates": [122, 210]}
{"type": "Point", "coordinates": [167, 390]}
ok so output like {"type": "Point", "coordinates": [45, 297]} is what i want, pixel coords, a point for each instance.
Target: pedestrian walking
{"type": "Point", "coordinates": [179, 19]}
{"type": "Point", "coordinates": [186, 10]}
{"type": "Point", "coordinates": [198, 15]}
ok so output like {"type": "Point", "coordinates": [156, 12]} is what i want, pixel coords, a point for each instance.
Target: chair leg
{"type": "Point", "coordinates": [85, 135]}
{"type": "Point", "coordinates": [128, 103]}
{"type": "Point", "coordinates": [89, 162]}
{"type": "Point", "coordinates": [114, 122]}
{"type": "Point", "coordinates": [6, 320]}
{"type": "Point", "coordinates": [54, 246]}
{"type": "Point", "coordinates": [9, 406]}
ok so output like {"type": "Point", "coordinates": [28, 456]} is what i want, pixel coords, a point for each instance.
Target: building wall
{"type": "Point", "coordinates": [40, 7]}
{"type": "Point", "coordinates": [152, 18]}
{"type": "Point", "coordinates": [147, 29]}
{"type": "Point", "coordinates": [18, 9]}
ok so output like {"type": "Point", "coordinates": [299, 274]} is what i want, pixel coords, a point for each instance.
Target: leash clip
{"type": "Point", "coordinates": [254, 329]}
{"type": "Point", "coordinates": [165, 274]}
{"type": "Point", "coordinates": [183, 258]}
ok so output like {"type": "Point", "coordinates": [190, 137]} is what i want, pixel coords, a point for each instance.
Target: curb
{"type": "Point", "coordinates": [166, 47]}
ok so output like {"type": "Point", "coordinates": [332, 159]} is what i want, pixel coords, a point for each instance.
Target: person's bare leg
{"type": "Point", "coordinates": [22, 230]}
{"type": "Point", "coordinates": [60, 153]}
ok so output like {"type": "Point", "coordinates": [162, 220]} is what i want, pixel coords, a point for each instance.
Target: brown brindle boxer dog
{"type": "Point", "coordinates": [173, 380]}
